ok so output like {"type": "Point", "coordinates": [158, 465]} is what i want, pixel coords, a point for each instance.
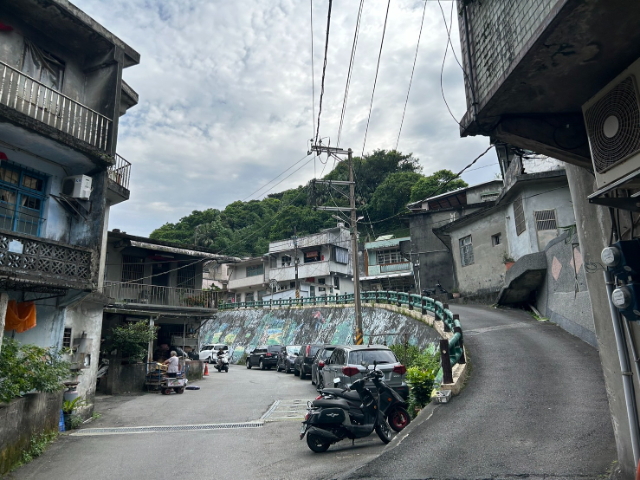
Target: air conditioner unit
{"type": "Point", "coordinates": [77, 186]}
{"type": "Point", "coordinates": [612, 119]}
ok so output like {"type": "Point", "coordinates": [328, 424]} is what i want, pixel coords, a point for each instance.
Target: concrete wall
{"type": "Point", "coordinates": [244, 330]}
{"type": "Point", "coordinates": [486, 274]}
{"type": "Point", "coordinates": [24, 418]}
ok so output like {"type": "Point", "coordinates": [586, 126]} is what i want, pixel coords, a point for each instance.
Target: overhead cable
{"type": "Point", "coordinates": [324, 70]}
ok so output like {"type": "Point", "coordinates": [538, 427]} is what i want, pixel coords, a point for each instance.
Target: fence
{"type": "Point", "coordinates": [451, 350]}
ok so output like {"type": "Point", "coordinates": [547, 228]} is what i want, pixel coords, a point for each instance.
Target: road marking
{"type": "Point", "coordinates": [286, 410]}
{"type": "Point", "coordinates": [165, 428]}
{"type": "Point", "coordinates": [496, 327]}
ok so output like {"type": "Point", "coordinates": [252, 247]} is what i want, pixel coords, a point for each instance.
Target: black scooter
{"type": "Point", "coordinates": [328, 420]}
{"type": "Point", "coordinates": [392, 405]}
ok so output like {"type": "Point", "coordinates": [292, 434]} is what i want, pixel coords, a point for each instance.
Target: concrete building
{"type": "Point", "coordinates": [161, 283]}
{"type": "Point", "coordinates": [432, 258]}
{"type": "Point", "coordinates": [388, 266]}
{"type": "Point", "coordinates": [545, 76]}
{"type": "Point", "coordinates": [248, 280]}
{"type": "Point", "coordinates": [61, 97]}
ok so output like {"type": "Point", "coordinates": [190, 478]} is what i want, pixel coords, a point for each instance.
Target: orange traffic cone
{"type": "Point", "coordinates": [206, 370]}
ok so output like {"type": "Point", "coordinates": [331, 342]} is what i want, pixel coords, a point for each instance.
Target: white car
{"type": "Point", "coordinates": [209, 353]}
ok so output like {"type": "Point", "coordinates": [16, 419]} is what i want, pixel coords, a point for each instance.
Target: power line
{"type": "Point", "coordinates": [375, 81]}
{"type": "Point", "coordinates": [350, 70]}
{"type": "Point", "coordinates": [313, 80]}
{"type": "Point", "coordinates": [324, 70]}
{"type": "Point", "coordinates": [448, 29]}
{"type": "Point", "coordinates": [411, 79]}
{"type": "Point", "coordinates": [249, 196]}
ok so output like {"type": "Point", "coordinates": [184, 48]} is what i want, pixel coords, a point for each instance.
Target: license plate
{"type": "Point", "coordinates": [303, 430]}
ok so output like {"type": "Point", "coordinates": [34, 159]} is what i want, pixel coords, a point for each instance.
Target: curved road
{"type": "Point", "coordinates": [534, 407]}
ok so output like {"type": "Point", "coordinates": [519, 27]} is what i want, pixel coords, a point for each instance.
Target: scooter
{"type": "Point", "coordinates": [223, 362]}
{"type": "Point", "coordinates": [392, 405]}
{"type": "Point", "coordinates": [428, 292]}
{"type": "Point", "coordinates": [328, 420]}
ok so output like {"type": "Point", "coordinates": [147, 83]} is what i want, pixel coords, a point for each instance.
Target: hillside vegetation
{"type": "Point", "coordinates": [385, 182]}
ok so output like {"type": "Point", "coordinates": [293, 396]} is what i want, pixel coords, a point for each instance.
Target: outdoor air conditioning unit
{"type": "Point", "coordinates": [612, 118]}
{"type": "Point", "coordinates": [77, 186]}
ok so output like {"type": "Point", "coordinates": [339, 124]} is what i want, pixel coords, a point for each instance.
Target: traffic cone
{"type": "Point", "coordinates": [206, 370]}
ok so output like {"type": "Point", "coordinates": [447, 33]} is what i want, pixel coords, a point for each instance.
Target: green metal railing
{"type": "Point", "coordinates": [451, 350]}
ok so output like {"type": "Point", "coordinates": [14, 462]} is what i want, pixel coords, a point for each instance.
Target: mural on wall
{"type": "Point", "coordinates": [244, 330]}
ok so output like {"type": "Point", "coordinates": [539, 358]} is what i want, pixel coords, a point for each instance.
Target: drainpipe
{"type": "Point", "coordinates": [625, 367]}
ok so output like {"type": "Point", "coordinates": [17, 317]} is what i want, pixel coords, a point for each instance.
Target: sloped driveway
{"type": "Point", "coordinates": [534, 407]}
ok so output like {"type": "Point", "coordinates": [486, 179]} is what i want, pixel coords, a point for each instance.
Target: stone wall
{"type": "Point", "coordinates": [24, 418]}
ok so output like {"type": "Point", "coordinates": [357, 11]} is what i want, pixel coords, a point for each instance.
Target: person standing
{"type": "Point", "coordinates": [174, 365]}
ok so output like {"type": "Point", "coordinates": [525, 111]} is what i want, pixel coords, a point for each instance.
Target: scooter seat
{"type": "Point", "coordinates": [349, 395]}
{"type": "Point", "coordinates": [337, 403]}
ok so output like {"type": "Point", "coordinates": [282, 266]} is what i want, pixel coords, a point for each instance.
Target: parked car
{"type": "Point", "coordinates": [265, 357]}
{"type": "Point", "coordinates": [348, 363]}
{"type": "Point", "coordinates": [287, 357]}
{"type": "Point", "coordinates": [318, 364]}
{"type": "Point", "coordinates": [302, 365]}
{"type": "Point", "coordinates": [209, 353]}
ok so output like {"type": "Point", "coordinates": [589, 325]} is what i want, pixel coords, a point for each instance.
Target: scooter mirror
{"type": "Point", "coordinates": [337, 381]}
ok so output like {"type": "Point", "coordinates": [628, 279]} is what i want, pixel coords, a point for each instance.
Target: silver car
{"type": "Point", "coordinates": [348, 363]}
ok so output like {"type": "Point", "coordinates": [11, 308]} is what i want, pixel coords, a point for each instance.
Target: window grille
{"type": "Point", "coordinates": [255, 270]}
{"type": "Point", "coordinates": [66, 338]}
{"type": "Point", "coordinates": [466, 251]}
{"type": "Point", "coordinates": [286, 261]}
{"type": "Point", "coordinates": [132, 269]}
{"type": "Point", "coordinates": [187, 277]}
{"type": "Point", "coordinates": [22, 198]}
{"type": "Point", "coordinates": [518, 211]}
{"type": "Point", "coordinates": [546, 220]}
{"type": "Point", "coordinates": [386, 257]}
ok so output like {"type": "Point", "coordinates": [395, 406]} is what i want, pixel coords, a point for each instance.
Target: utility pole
{"type": "Point", "coordinates": [354, 230]}
{"type": "Point", "coordinates": [295, 261]}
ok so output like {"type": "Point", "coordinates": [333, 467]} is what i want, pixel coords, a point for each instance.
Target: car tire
{"type": "Point", "coordinates": [248, 364]}
{"type": "Point", "coordinates": [317, 443]}
{"type": "Point", "coordinates": [287, 368]}
{"type": "Point", "coordinates": [398, 419]}
{"type": "Point", "coordinates": [303, 375]}
{"type": "Point", "coordinates": [210, 360]}
{"type": "Point", "coordinates": [320, 383]}
{"type": "Point", "coordinates": [261, 365]}
{"type": "Point", "coordinates": [313, 380]}
{"type": "Point", "coordinates": [384, 431]}
{"type": "Point", "coordinates": [296, 372]}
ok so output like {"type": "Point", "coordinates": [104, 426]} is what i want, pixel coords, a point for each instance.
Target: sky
{"type": "Point", "coordinates": [229, 99]}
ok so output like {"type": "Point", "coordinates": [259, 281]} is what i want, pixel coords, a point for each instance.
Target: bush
{"type": "Point", "coordinates": [132, 339]}
{"type": "Point", "coordinates": [24, 368]}
{"type": "Point", "coordinates": [421, 376]}
{"type": "Point", "coordinates": [407, 354]}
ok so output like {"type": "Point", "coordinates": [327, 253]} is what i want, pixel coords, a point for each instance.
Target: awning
{"type": "Point", "coordinates": [180, 251]}
{"type": "Point", "coordinates": [382, 277]}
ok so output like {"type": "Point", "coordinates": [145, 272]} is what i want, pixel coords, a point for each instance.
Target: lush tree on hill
{"type": "Point", "coordinates": [392, 195]}
{"type": "Point", "coordinates": [439, 182]}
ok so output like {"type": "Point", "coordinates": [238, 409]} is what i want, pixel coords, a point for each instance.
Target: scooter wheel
{"type": "Point", "coordinates": [398, 419]}
{"type": "Point", "coordinates": [226, 369]}
{"type": "Point", "coordinates": [317, 444]}
{"type": "Point", "coordinates": [384, 431]}
{"type": "Point", "coordinates": [166, 391]}
{"type": "Point", "coordinates": [179, 390]}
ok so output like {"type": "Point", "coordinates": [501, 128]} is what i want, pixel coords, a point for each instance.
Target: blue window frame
{"type": "Point", "coordinates": [22, 198]}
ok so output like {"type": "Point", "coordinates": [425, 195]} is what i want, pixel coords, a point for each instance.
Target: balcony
{"type": "Point", "coordinates": [119, 175]}
{"type": "Point", "coordinates": [141, 295]}
{"type": "Point", "coordinates": [309, 270]}
{"type": "Point", "coordinates": [39, 262]}
{"type": "Point", "coordinates": [21, 93]}
{"type": "Point", "coordinates": [390, 268]}
{"type": "Point", "coordinates": [253, 281]}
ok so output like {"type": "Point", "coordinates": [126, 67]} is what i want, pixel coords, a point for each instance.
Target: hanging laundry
{"type": "Point", "coordinates": [20, 316]}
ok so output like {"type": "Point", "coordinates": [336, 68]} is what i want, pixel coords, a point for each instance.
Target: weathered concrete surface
{"type": "Point", "coordinates": [524, 277]}
{"type": "Point", "coordinates": [243, 330]}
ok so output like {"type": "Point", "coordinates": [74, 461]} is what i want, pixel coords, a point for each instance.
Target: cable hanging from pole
{"type": "Point", "coordinates": [324, 70]}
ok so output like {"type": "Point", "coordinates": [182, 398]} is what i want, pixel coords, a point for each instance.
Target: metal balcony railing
{"type": "Point", "coordinates": [42, 103]}
{"type": "Point", "coordinates": [120, 172]}
{"type": "Point", "coordinates": [141, 294]}
{"type": "Point", "coordinates": [396, 267]}
{"type": "Point", "coordinates": [48, 262]}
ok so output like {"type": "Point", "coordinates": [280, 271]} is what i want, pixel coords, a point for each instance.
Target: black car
{"type": "Point", "coordinates": [265, 357]}
{"type": "Point", "coordinates": [318, 363]}
{"type": "Point", "coordinates": [302, 365]}
{"type": "Point", "coordinates": [287, 357]}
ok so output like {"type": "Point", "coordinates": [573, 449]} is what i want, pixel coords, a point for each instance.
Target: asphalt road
{"type": "Point", "coordinates": [271, 451]}
{"type": "Point", "coordinates": [534, 407]}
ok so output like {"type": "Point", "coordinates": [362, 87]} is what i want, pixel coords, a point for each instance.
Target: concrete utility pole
{"type": "Point", "coordinates": [295, 260]}
{"type": "Point", "coordinates": [354, 230]}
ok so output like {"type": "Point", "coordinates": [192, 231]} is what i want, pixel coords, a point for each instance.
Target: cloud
{"type": "Point", "coordinates": [226, 98]}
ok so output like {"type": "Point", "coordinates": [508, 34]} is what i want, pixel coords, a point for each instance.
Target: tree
{"type": "Point", "coordinates": [392, 195]}
{"type": "Point", "coordinates": [440, 182]}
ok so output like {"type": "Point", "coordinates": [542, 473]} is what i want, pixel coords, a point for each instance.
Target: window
{"type": "Point", "coordinates": [518, 212]}
{"type": "Point", "coordinates": [187, 277]}
{"type": "Point", "coordinates": [496, 239]}
{"type": "Point", "coordinates": [21, 199]}
{"type": "Point", "coordinates": [386, 257]}
{"type": "Point", "coordinates": [255, 270]}
{"type": "Point", "coordinates": [286, 261]}
{"type": "Point", "coordinates": [342, 255]}
{"type": "Point", "coordinates": [42, 66]}
{"type": "Point", "coordinates": [546, 220]}
{"type": "Point", "coordinates": [489, 196]}
{"type": "Point", "coordinates": [466, 251]}
{"type": "Point", "coordinates": [336, 283]}
{"type": "Point", "coordinates": [66, 338]}
{"type": "Point", "coordinates": [312, 256]}
{"type": "Point", "coordinates": [132, 269]}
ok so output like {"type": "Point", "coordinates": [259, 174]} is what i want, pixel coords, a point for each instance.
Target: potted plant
{"type": "Point", "coordinates": [131, 340]}
{"type": "Point", "coordinates": [508, 260]}
{"type": "Point", "coordinates": [71, 420]}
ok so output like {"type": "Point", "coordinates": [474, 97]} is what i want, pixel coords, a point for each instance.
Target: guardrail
{"type": "Point", "coordinates": [451, 350]}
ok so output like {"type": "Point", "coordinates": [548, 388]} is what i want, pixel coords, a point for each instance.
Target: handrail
{"type": "Point", "coordinates": [120, 172]}
{"type": "Point", "coordinates": [45, 104]}
{"type": "Point", "coordinates": [451, 350]}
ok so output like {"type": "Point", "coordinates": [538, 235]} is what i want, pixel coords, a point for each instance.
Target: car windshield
{"type": "Point", "coordinates": [207, 347]}
{"type": "Point", "coordinates": [274, 348]}
{"type": "Point", "coordinates": [293, 350]}
{"type": "Point", "coordinates": [313, 349]}
{"type": "Point", "coordinates": [369, 356]}
{"type": "Point", "coordinates": [326, 353]}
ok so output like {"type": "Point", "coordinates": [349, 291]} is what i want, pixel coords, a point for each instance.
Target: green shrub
{"type": "Point", "coordinates": [70, 405]}
{"type": "Point", "coordinates": [407, 354]}
{"type": "Point", "coordinates": [24, 368]}
{"type": "Point", "coordinates": [422, 383]}
{"type": "Point", "coordinates": [132, 339]}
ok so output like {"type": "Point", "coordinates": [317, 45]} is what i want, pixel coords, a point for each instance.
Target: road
{"type": "Point", "coordinates": [534, 407]}
{"type": "Point", "coordinates": [269, 451]}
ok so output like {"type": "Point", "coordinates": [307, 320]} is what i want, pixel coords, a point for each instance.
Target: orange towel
{"type": "Point", "coordinates": [20, 316]}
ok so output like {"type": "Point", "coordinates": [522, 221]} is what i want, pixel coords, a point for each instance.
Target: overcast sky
{"type": "Point", "coordinates": [226, 96]}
